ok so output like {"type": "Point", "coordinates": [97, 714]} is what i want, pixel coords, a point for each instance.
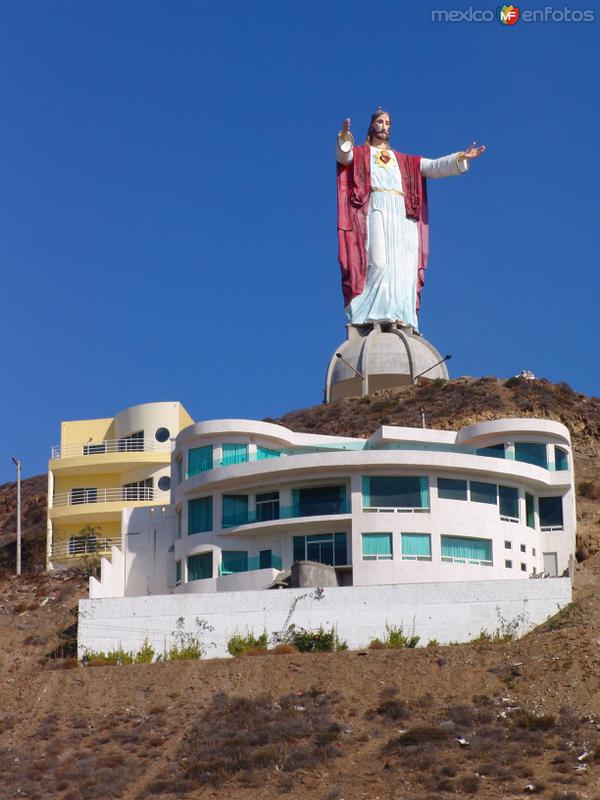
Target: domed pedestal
{"type": "Point", "coordinates": [380, 356]}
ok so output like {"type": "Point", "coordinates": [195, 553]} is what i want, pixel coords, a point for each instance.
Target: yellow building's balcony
{"type": "Point", "coordinates": [81, 546]}
{"type": "Point", "coordinates": [120, 494]}
{"type": "Point", "coordinates": [108, 454]}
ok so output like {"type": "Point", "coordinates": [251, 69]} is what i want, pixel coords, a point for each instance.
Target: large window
{"type": "Point", "coordinates": [179, 470]}
{"type": "Point", "coordinates": [178, 573]}
{"type": "Point", "coordinates": [452, 489]}
{"type": "Point", "coordinates": [235, 510]}
{"type": "Point", "coordinates": [317, 500]}
{"type": "Point", "coordinates": [200, 515]}
{"type": "Point", "coordinates": [234, 561]}
{"type": "Point", "coordinates": [267, 506]}
{"type": "Point", "coordinates": [484, 493]}
{"type": "Point", "coordinates": [464, 550]}
{"type": "Point", "coordinates": [325, 548]}
{"type": "Point", "coordinates": [200, 567]}
{"type": "Point", "coordinates": [416, 547]}
{"type": "Point", "coordinates": [395, 492]}
{"type": "Point", "coordinates": [551, 513]}
{"type": "Point", "coordinates": [509, 503]}
{"type": "Point", "coordinates": [200, 459]}
{"type": "Point", "coordinates": [178, 525]}
{"type": "Point", "coordinates": [531, 453]}
{"type": "Point", "coordinates": [492, 451]}
{"type": "Point", "coordinates": [529, 510]}
{"type": "Point", "coordinates": [234, 454]}
{"type": "Point", "coordinates": [377, 546]}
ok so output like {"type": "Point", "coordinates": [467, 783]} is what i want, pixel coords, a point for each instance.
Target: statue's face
{"type": "Point", "coordinates": [381, 127]}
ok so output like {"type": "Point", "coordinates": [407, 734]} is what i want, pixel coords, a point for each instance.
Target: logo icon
{"type": "Point", "coordinates": [508, 15]}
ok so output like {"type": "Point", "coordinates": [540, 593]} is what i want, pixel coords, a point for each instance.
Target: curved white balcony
{"type": "Point", "coordinates": [78, 546]}
{"type": "Point", "coordinates": [109, 446]}
{"type": "Point", "coordinates": [121, 494]}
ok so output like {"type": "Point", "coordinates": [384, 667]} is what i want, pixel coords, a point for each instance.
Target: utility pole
{"type": "Point", "coordinates": [17, 463]}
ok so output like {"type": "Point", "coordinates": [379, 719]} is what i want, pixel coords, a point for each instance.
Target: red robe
{"type": "Point", "coordinates": [353, 191]}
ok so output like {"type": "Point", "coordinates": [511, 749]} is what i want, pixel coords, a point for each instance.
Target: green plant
{"type": "Point", "coordinates": [433, 643]}
{"type": "Point", "coordinates": [239, 644]}
{"type": "Point", "coordinates": [396, 639]}
{"type": "Point", "coordinates": [187, 645]}
{"type": "Point", "coordinates": [319, 641]}
{"type": "Point", "coordinates": [145, 655]}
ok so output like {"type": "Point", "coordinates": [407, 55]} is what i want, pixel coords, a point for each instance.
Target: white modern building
{"type": "Point", "coordinates": [492, 501]}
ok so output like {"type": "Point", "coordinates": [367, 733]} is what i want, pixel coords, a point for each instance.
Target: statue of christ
{"type": "Point", "coordinates": [382, 222]}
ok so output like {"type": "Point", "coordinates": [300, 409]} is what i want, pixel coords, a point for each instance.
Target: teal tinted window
{"type": "Point", "coordinates": [451, 489]}
{"type": "Point", "coordinates": [200, 567]}
{"type": "Point", "coordinates": [377, 546]}
{"type": "Point", "coordinates": [531, 453]}
{"type": "Point", "coordinates": [462, 548]}
{"type": "Point", "coordinates": [551, 512]}
{"type": "Point", "coordinates": [326, 548]}
{"type": "Point", "coordinates": [200, 515]}
{"type": "Point", "coordinates": [177, 573]}
{"type": "Point", "coordinates": [200, 459]}
{"type": "Point", "coordinates": [234, 561]}
{"type": "Point", "coordinates": [416, 546]}
{"type": "Point", "coordinates": [396, 492]}
{"type": "Point", "coordinates": [509, 502]}
{"type": "Point", "coordinates": [234, 454]}
{"type": "Point", "coordinates": [267, 506]}
{"type": "Point", "coordinates": [178, 525]}
{"type": "Point", "coordinates": [180, 470]}
{"type": "Point", "coordinates": [530, 510]}
{"type": "Point", "coordinates": [235, 510]}
{"type": "Point", "coordinates": [484, 492]}
{"type": "Point", "coordinates": [265, 452]}
{"type": "Point", "coordinates": [561, 459]}
{"type": "Point", "coordinates": [493, 451]}
{"type": "Point", "coordinates": [315, 500]}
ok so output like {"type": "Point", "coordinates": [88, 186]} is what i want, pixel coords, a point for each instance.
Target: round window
{"type": "Point", "coordinates": [164, 483]}
{"type": "Point", "coordinates": [162, 434]}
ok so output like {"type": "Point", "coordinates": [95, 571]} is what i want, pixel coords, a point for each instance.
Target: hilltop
{"type": "Point", "coordinates": [375, 724]}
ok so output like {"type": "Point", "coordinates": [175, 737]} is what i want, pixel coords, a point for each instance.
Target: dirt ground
{"type": "Point", "coordinates": [370, 724]}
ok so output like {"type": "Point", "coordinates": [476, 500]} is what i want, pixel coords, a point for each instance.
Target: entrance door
{"type": "Point", "coordinates": [550, 564]}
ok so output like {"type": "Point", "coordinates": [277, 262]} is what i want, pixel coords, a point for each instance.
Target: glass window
{"type": "Point", "coordinates": [200, 515]}
{"type": "Point", "coordinates": [200, 459]}
{"type": "Point", "coordinates": [551, 513]}
{"type": "Point", "coordinates": [234, 454]}
{"type": "Point", "coordinates": [235, 510]}
{"type": "Point", "coordinates": [509, 502]}
{"type": "Point", "coordinates": [416, 547]}
{"type": "Point", "coordinates": [138, 490]}
{"type": "Point", "coordinates": [523, 567]}
{"type": "Point", "coordinates": [265, 452]}
{"type": "Point", "coordinates": [523, 548]}
{"type": "Point", "coordinates": [395, 492]}
{"type": "Point", "coordinates": [508, 564]}
{"type": "Point", "coordinates": [529, 510]}
{"type": "Point", "coordinates": [267, 506]}
{"type": "Point", "coordinates": [492, 451]}
{"type": "Point", "coordinates": [234, 561]}
{"type": "Point", "coordinates": [561, 459]}
{"type": "Point", "coordinates": [467, 550]}
{"type": "Point", "coordinates": [484, 493]}
{"type": "Point", "coordinates": [507, 545]}
{"type": "Point", "coordinates": [452, 489]}
{"type": "Point", "coordinates": [316, 500]}
{"type": "Point", "coordinates": [134, 443]}
{"type": "Point", "coordinates": [325, 548]}
{"type": "Point", "coordinates": [265, 559]}
{"type": "Point", "coordinates": [178, 573]}
{"type": "Point", "coordinates": [180, 470]}
{"type": "Point", "coordinates": [178, 525]}
{"type": "Point", "coordinates": [200, 566]}
{"type": "Point", "coordinates": [376, 546]}
{"type": "Point", "coordinates": [533, 551]}
{"type": "Point", "coordinates": [531, 453]}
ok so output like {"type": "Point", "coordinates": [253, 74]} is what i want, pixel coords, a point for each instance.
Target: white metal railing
{"type": "Point", "coordinates": [476, 561]}
{"type": "Point", "coordinates": [548, 528]}
{"type": "Point", "coordinates": [84, 496]}
{"type": "Point", "coordinates": [392, 510]}
{"type": "Point", "coordinates": [110, 446]}
{"type": "Point", "coordinates": [78, 546]}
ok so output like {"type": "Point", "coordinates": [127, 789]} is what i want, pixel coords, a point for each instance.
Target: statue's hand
{"type": "Point", "coordinates": [473, 151]}
{"type": "Point", "coordinates": [346, 125]}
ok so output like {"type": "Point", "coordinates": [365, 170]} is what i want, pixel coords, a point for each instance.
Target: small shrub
{"type": "Point", "coordinates": [319, 641]}
{"type": "Point", "coordinates": [145, 654]}
{"type": "Point", "coordinates": [376, 644]}
{"type": "Point", "coordinates": [423, 734]}
{"type": "Point", "coordinates": [393, 709]}
{"type": "Point", "coordinates": [589, 489]}
{"type": "Point", "coordinates": [283, 649]}
{"type": "Point", "coordinates": [396, 639]}
{"type": "Point", "coordinates": [238, 644]}
{"type": "Point", "coordinates": [470, 783]}
{"type": "Point", "coordinates": [532, 722]}
{"type": "Point", "coordinates": [433, 643]}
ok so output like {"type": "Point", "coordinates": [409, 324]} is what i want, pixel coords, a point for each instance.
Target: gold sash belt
{"type": "Point", "coordinates": [389, 191]}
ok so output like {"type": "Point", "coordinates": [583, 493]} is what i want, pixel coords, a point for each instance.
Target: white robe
{"type": "Point", "coordinates": [390, 291]}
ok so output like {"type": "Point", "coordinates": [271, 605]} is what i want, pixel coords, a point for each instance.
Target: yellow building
{"type": "Point", "coordinates": [103, 466]}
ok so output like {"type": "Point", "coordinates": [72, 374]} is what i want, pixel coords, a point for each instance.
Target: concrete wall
{"type": "Point", "coordinates": [442, 611]}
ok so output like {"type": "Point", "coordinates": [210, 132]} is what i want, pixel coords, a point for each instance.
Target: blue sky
{"type": "Point", "coordinates": [167, 214]}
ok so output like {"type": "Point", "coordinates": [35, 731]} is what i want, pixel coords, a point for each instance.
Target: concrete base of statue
{"type": "Point", "coordinates": [380, 355]}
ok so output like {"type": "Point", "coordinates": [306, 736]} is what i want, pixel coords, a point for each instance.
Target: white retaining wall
{"type": "Point", "coordinates": [443, 611]}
